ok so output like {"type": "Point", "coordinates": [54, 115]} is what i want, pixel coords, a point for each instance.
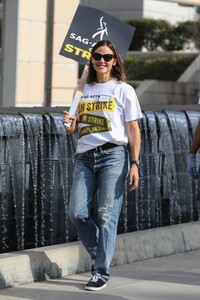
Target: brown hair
{"type": "Point", "coordinates": [117, 71]}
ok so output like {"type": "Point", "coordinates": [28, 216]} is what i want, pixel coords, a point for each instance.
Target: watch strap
{"type": "Point", "coordinates": [135, 162]}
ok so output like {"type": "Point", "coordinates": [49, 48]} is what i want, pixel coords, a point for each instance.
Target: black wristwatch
{"type": "Point", "coordinates": [135, 162]}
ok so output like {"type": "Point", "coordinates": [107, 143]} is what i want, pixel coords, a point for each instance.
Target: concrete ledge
{"type": "Point", "coordinates": [65, 259]}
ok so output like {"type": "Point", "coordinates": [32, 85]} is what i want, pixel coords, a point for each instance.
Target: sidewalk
{"type": "Point", "coordinates": [175, 277]}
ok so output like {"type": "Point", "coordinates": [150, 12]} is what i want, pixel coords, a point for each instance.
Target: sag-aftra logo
{"type": "Point", "coordinates": [88, 27]}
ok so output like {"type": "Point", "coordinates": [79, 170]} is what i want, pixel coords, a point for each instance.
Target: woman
{"type": "Point", "coordinates": [192, 164]}
{"type": "Point", "coordinates": [106, 121]}
{"type": "Point", "coordinates": [192, 155]}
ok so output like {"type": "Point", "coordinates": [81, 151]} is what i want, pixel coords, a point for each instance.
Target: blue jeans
{"type": "Point", "coordinates": [103, 172]}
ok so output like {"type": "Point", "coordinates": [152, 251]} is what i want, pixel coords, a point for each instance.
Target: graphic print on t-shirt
{"type": "Point", "coordinates": [91, 112]}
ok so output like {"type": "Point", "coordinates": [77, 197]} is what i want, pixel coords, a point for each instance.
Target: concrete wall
{"type": "Point", "coordinates": [186, 90]}
{"type": "Point", "coordinates": [166, 93]}
{"type": "Point", "coordinates": [64, 70]}
{"type": "Point", "coordinates": [30, 53]}
{"type": "Point", "coordinates": [171, 12]}
{"type": "Point", "coordinates": [155, 9]}
{"type": "Point", "coordinates": [122, 9]}
{"type": "Point", "coordinates": [65, 259]}
{"type": "Point", "coordinates": [25, 54]}
{"type": "Point", "coordinates": [9, 42]}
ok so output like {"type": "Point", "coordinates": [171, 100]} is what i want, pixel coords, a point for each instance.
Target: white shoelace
{"type": "Point", "coordinates": [94, 278]}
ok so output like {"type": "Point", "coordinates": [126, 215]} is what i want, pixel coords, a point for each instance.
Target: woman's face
{"type": "Point", "coordinates": [103, 61]}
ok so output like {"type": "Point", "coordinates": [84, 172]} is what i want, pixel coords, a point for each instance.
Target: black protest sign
{"type": "Point", "coordinates": [90, 26]}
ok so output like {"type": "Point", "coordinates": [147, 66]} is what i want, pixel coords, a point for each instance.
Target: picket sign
{"type": "Point", "coordinates": [88, 27]}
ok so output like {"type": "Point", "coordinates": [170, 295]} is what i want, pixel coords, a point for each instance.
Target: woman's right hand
{"type": "Point", "coordinates": [71, 121]}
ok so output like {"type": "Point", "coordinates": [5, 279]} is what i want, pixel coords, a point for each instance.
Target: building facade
{"type": "Point", "coordinates": [32, 71]}
{"type": "Point", "coordinates": [172, 11]}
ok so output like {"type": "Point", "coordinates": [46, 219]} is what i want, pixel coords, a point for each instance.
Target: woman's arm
{"type": "Point", "coordinates": [196, 140]}
{"type": "Point", "coordinates": [134, 142]}
{"type": "Point", "coordinates": [191, 158]}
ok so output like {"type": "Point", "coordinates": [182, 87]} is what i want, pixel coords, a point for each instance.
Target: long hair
{"type": "Point", "coordinates": [117, 72]}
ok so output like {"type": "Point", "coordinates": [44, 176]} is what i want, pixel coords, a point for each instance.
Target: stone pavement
{"type": "Point", "coordinates": [175, 277]}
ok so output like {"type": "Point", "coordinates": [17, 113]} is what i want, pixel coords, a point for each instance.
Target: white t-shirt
{"type": "Point", "coordinates": [102, 112]}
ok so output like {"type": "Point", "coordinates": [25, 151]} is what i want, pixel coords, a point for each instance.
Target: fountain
{"type": "Point", "coordinates": [36, 164]}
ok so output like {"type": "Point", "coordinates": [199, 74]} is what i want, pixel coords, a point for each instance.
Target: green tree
{"type": "Point", "coordinates": [153, 34]}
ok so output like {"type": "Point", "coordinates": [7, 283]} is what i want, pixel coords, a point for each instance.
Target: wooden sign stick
{"type": "Point", "coordinates": [78, 94]}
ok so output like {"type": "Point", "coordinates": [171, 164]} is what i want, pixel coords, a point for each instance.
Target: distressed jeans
{"type": "Point", "coordinates": [103, 172]}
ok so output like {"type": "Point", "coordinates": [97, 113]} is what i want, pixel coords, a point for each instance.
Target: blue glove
{"type": "Point", "coordinates": [191, 166]}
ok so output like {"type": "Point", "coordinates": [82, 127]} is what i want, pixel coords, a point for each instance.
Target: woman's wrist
{"type": "Point", "coordinates": [135, 162]}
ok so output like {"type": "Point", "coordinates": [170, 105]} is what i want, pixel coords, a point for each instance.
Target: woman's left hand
{"type": "Point", "coordinates": [133, 177]}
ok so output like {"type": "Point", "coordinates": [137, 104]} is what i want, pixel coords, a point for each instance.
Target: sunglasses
{"type": "Point", "coordinates": [106, 57]}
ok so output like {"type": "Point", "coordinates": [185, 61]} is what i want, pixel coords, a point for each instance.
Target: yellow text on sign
{"type": "Point", "coordinates": [77, 51]}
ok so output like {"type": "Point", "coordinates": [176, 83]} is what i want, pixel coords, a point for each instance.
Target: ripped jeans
{"type": "Point", "coordinates": [103, 172]}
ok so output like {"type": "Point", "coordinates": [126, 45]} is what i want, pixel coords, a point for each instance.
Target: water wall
{"type": "Point", "coordinates": [36, 165]}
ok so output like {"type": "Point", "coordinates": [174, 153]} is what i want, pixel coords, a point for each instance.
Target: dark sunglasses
{"type": "Point", "coordinates": [106, 57]}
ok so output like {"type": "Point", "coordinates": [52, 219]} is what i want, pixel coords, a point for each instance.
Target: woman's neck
{"type": "Point", "coordinates": [103, 79]}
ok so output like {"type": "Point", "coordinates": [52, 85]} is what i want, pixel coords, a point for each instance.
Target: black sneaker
{"type": "Point", "coordinates": [95, 284]}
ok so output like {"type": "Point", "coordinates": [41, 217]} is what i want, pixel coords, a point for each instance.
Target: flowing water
{"type": "Point", "coordinates": [36, 165]}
